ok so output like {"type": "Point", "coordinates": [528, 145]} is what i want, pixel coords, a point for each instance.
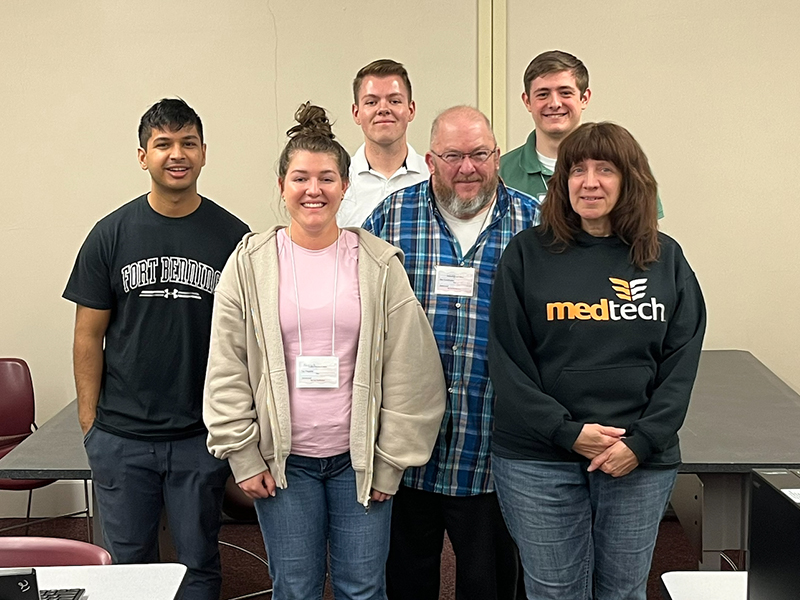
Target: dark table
{"type": "Point", "coordinates": [741, 417]}
{"type": "Point", "coordinates": [54, 451]}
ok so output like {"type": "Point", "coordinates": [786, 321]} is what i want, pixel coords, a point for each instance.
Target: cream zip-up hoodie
{"type": "Point", "coordinates": [398, 384]}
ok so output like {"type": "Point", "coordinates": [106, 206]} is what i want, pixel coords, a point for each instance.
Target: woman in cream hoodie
{"type": "Point", "coordinates": [324, 381]}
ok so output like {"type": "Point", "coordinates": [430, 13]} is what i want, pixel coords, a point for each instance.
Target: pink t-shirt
{"type": "Point", "coordinates": [320, 417]}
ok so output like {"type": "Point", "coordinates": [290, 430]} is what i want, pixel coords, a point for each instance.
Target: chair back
{"type": "Point", "coordinates": [17, 411]}
{"type": "Point", "coordinates": [49, 552]}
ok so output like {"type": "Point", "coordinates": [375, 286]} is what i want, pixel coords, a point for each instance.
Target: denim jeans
{"type": "Point", "coordinates": [582, 535]}
{"type": "Point", "coordinates": [134, 479]}
{"type": "Point", "coordinates": [318, 511]}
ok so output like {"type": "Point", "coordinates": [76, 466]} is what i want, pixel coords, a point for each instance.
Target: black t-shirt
{"type": "Point", "coordinates": [157, 276]}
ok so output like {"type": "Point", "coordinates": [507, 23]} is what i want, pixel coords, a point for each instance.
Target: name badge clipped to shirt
{"type": "Point", "coordinates": [317, 372]}
{"type": "Point", "coordinates": [454, 281]}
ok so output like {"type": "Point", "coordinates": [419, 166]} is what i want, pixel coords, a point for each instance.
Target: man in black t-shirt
{"type": "Point", "coordinates": [144, 283]}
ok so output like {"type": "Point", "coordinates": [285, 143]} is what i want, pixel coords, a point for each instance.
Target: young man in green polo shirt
{"type": "Point", "coordinates": [556, 94]}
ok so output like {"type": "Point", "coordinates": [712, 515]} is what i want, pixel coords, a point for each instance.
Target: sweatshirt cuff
{"type": "Point", "coordinates": [566, 434]}
{"type": "Point", "coordinates": [385, 477]}
{"type": "Point", "coordinates": [246, 463]}
{"type": "Point", "coordinates": [640, 446]}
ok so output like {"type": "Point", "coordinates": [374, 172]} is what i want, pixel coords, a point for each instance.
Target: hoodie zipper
{"type": "Point", "coordinates": [372, 416]}
{"type": "Point", "coordinates": [255, 311]}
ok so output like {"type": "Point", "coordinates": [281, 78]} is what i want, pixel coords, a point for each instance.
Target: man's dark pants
{"type": "Point", "coordinates": [134, 479]}
{"type": "Point", "coordinates": [486, 557]}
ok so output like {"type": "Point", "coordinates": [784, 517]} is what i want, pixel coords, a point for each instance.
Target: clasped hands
{"type": "Point", "coordinates": [604, 447]}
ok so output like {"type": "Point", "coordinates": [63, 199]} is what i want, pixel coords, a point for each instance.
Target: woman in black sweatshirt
{"type": "Point", "coordinates": [596, 328]}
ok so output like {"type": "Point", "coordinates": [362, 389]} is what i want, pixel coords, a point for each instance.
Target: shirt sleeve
{"type": "Point", "coordinates": [90, 281]}
{"type": "Point", "coordinates": [229, 401]}
{"type": "Point", "coordinates": [375, 222]}
{"type": "Point", "coordinates": [413, 387]}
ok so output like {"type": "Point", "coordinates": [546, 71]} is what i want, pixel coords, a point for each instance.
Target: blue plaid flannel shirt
{"type": "Point", "coordinates": [409, 219]}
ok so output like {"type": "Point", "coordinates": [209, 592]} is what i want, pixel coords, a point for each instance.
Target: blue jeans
{"type": "Point", "coordinates": [582, 535]}
{"type": "Point", "coordinates": [318, 511]}
{"type": "Point", "coordinates": [134, 479]}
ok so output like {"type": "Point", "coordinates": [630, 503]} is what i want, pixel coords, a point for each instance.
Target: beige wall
{"type": "Point", "coordinates": [75, 77]}
{"type": "Point", "coordinates": [710, 90]}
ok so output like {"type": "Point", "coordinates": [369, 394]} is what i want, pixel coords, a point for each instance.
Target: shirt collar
{"type": "Point", "coordinates": [528, 159]}
{"type": "Point", "coordinates": [413, 163]}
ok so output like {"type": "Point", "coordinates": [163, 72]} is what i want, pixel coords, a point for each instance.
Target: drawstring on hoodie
{"type": "Point", "coordinates": [244, 263]}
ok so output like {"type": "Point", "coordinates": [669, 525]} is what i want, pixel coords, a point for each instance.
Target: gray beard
{"type": "Point", "coordinates": [460, 208]}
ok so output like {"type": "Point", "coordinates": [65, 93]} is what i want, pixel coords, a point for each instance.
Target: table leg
{"type": "Point", "coordinates": [687, 502]}
{"type": "Point", "coordinates": [726, 505]}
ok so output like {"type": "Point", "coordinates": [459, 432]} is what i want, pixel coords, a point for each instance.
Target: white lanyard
{"type": "Point", "coordinates": [316, 371]}
{"type": "Point", "coordinates": [297, 294]}
{"type": "Point", "coordinates": [541, 197]}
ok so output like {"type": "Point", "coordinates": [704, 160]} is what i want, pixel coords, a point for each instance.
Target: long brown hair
{"type": "Point", "coordinates": [634, 218]}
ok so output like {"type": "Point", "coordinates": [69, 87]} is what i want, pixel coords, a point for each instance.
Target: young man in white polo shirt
{"type": "Point", "coordinates": [385, 162]}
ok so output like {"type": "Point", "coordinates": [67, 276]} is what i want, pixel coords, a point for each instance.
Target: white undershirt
{"type": "Point", "coordinates": [547, 162]}
{"type": "Point", "coordinates": [466, 231]}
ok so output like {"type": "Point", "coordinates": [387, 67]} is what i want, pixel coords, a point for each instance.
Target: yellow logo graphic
{"type": "Point", "coordinates": [629, 290]}
{"type": "Point", "coordinates": [609, 310]}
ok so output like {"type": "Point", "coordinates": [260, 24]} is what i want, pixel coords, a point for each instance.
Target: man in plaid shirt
{"type": "Point", "coordinates": [453, 229]}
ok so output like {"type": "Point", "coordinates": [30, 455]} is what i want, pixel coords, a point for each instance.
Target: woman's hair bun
{"type": "Point", "coordinates": [311, 121]}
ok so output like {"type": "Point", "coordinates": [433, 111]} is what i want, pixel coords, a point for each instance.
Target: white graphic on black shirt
{"type": "Point", "coordinates": [175, 294]}
{"type": "Point", "coordinates": [166, 270]}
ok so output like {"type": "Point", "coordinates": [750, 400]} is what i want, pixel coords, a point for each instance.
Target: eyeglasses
{"type": "Point", "coordinates": [455, 158]}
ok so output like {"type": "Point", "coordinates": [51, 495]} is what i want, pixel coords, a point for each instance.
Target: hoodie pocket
{"type": "Point", "coordinates": [614, 396]}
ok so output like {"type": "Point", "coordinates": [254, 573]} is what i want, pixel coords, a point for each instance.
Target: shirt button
{"type": "Point", "coordinates": [450, 390]}
{"type": "Point", "coordinates": [458, 304]}
{"type": "Point", "coordinates": [455, 348]}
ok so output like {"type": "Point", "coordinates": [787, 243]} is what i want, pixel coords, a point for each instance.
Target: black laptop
{"type": "Point", "coordinates": [20, 584]}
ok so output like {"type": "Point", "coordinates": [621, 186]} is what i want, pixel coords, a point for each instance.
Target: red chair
{"type": "Point", "coordinates": [17, 422]}
{"type": "Point", "coordinates": [30, 551]}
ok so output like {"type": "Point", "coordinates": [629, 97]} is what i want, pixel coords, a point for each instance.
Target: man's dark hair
{"type": "Point", "coordinates": [384, 67]}
{"type": "Point", "coordinates": [556, 61]}
{"type": "Point", "coordinates": [168, 114]}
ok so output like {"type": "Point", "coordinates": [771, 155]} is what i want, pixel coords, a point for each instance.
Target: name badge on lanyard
{"type": "Point", "coordinates": [454, 281]}
{"type": "Point", "coordinates": [317, 372]}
